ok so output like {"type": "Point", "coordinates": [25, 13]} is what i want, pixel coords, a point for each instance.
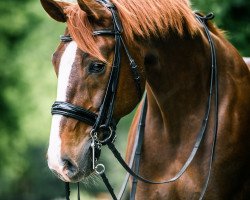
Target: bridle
{"type": "Point", "coordinates": [104, 120]}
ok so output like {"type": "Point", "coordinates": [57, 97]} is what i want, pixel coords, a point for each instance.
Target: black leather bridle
{"type": "Point", "coordinates": [104, 120]}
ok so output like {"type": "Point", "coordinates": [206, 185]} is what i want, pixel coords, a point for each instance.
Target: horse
{"type": "Point", "coordinates": [173, 55]}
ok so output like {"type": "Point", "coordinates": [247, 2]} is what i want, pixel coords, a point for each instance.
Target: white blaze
{"type": "Point", "coordinates": [66, 63]}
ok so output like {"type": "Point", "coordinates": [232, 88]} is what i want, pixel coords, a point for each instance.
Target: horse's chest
{"type": "Point", "coordinates": [173, 191]}
{"type": "Point", "coordinates": [187, 187]}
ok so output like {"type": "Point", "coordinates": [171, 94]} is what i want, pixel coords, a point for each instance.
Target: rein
{"type": "Point", "coordinates": [213, 87]}
{"type": "Point", "coordinates": [104, 120]}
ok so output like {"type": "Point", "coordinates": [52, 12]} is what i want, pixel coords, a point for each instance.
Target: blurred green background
{"type": "Point", "coordinates": [28, 38]}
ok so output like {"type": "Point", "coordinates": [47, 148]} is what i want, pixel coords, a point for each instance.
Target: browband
{"type": "Point", "coordinates": [106, 32]}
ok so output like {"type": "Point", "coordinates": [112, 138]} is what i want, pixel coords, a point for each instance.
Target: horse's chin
{"type": "Point", "coordinates": [78, 178]}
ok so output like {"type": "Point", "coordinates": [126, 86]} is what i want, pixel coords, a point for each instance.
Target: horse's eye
{"type": "Point", "coordinates": [96, 67]}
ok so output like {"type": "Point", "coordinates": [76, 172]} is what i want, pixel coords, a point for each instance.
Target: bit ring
{"type": "Point", "coordinates": [100, 169]}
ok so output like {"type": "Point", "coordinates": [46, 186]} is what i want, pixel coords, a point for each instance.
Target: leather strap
{"type": "Point", "coordinates": [76, 112]}
{"type": "Point", "coordinates": [117, 31]}
{"type": "Point", "coordinates": [189, 160]}
{"type": "Point", "coordinates": [108, 186]}
{"type": "Point", "coordinates": [140, 130]}
{"type": "Point", "coordinates": [134, 70]}
{"type": "Point", "coordinates": [135, 156]}
{"type": "Point", "coordinates": [65, 38]}
{"type": "Point", "coordinates": [213, 83]}
{"type": "Point", "coordinates": [67, 190]}
{"type": "Point", "coordinates": [138, 137]}
{"type": "Point", "coordinates": [78, 191]}
{"type": "Point", "coordinates": [106, 111]}
{"type": "Point", "coordinates": [105, 32]}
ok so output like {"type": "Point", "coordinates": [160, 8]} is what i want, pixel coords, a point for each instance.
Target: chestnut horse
{"type": "Point", "coordinates": [174, 62]}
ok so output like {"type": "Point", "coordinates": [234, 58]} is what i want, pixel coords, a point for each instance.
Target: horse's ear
{"type": "Point", "coordinates": [55, 9]}
{"type": "Point", "coordinates": [92, 8]}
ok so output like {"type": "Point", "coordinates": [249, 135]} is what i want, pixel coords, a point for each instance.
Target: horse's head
{"type": "Point", "coordinates": [84, 63]}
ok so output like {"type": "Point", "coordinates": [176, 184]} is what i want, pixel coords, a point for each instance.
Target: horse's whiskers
{"type": "Point", "coordinates": [91, 180]}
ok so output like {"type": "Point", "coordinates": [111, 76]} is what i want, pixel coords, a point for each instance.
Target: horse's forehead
{"type": "Point", "coordinates": [68, 55]}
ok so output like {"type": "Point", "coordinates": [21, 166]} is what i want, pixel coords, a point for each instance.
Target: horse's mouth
{"type": "Point", "coordinates": [77, 169]}
{"type": "Point", "coordinates": [74, 174]}
{"type": "Point", "coordinates": [77, 177]}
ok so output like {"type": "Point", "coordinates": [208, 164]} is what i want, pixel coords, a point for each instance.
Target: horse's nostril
{"type": "Point", "coordinates": [69, 167]}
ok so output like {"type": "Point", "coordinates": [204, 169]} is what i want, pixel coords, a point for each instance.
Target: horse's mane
{"type": "Point", "coordinates": [143, 18]}
{"type": "Point", "coordinates": [149, 18]}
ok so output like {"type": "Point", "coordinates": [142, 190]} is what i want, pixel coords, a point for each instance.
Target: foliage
{"type": "Point", "coordinates": [22, 146]}
{"type": "Point", "coordinates": [11, 30]}
{"type": "Point", "coordinates": [231, 16]}
{"type": "Point", "coordinates": [27, 40]}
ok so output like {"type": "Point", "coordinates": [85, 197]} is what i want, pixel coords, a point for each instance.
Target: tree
{"type": "Point", "coordinates": [231, 16]}
{"type": "Point", "coordinates": [23, 168]}
{"type": "Point", "coordinates": [13, 26]}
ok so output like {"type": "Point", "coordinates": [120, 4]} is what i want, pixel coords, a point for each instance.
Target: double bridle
{"type": "Point", "coordinates": [105, 123]}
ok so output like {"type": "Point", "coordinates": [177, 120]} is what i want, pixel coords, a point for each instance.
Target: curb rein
{"type": "Point", "coordinates": [104, 120]}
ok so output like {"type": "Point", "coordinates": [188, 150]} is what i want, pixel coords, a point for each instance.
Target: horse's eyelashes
{"type": "Point", "coordinates": [96, 67]}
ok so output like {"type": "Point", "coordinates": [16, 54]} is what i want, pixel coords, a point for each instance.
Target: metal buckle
{"type": "Point", "coordinates": [109, 136]}
{"type": "Point", "coordinates": [94, 144]}
{"type": "Point", "coordinates": [100, 169]}
{"type": "Point", "coordinates": [110, 130]}
{"type": "Point", "coordinates": [66, 38]}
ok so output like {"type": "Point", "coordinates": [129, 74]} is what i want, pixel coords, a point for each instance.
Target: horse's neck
{"type": "Point", "coordinates": [178, 84]}
{"type": "Point", "coordinates": [178, 75]}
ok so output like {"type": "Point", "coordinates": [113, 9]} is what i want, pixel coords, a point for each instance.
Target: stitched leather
{"type": "Point", "coordinates": [105, 32]}
{"type": "Point", "coordinates": [76, 112]}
